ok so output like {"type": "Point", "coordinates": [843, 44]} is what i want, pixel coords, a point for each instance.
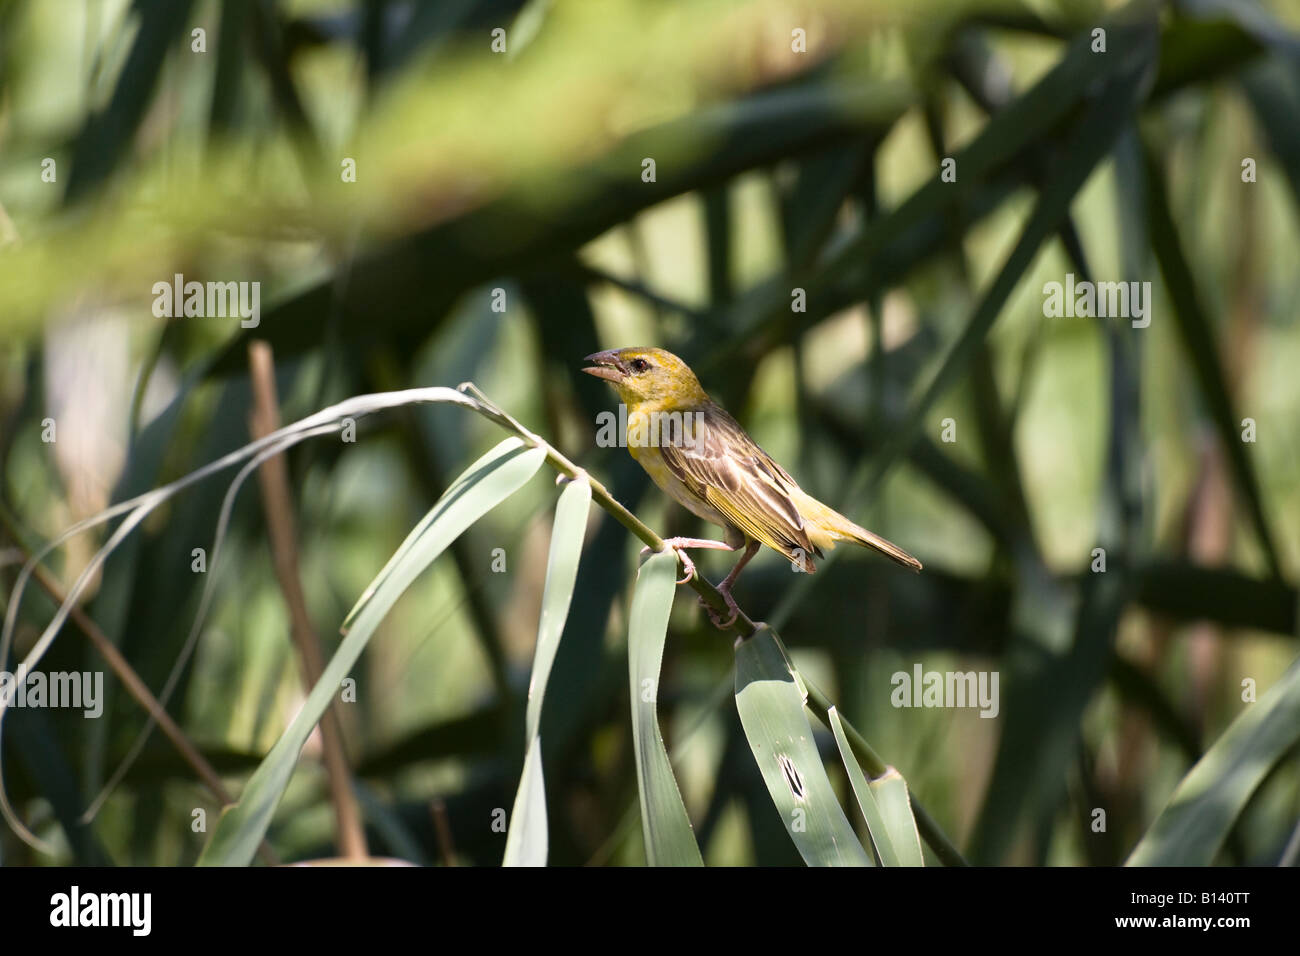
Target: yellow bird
{"type": "Point", "coordinates": [700, 455]}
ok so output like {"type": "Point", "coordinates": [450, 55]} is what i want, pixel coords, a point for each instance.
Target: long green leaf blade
{"type": "Point", "coordinates": [771, 707]}
{"type": "Point", "coordinates": [527, 843]}
{"type": "Point", "coordinates": [895, 806]}
{"type": "Point", "coordinates": [669, 838]}
{"type": "Point", "coordinates": [397, 574]}
{"type": "Point", "coordinates": [1206, 804]}
{"type": "Point", "coordinates": [884, 846]}
{"type": "Point", "coordinates": [485, 484]}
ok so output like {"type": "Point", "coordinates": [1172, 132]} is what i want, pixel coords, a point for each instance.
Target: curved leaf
{"type": "Point", "coordinates": [1206, 804]}
{"type": "Point", "coordinates": [884, 846]}
{"type": "Point", "coordinates": [485, 484]}
{"type": "Point", "coordinates": [771, 706]}
{"type": "Point", "coordinates": [895, 805]}
{"type": "Point", "coordinates": [526, 843]}
{"type": "Point", "coordinates": [669, 839]}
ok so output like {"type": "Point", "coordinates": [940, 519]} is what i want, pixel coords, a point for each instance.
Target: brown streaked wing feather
{"type": "Point", "coordinates": [729, 471]}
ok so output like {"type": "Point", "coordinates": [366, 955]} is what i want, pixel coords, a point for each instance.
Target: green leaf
{"type": "Point", "coordinates": [485, 484]}
{"type": "Point", "coordinates": [896, 810]}
{"type": "Point", "coordinates": [771, 707]}
{"type": "Point", "coordinates": [884, 846]}
{"type": "Point", "coordinates": [526, 843]}
{"type": "Point", "coordinates": [669, 839]}
{"type": "Point", "coordinates": [1206, 804]}
{"type": "Point", "coordinates": [557, 594]}
{"type": "Point", "coordinates": [401, 569]}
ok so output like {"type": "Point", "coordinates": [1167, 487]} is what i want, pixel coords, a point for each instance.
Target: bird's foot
{"type": "Point", "coordinates": [681, 544]}
{"type": "Point", "coordinates": [715, 616]}
{"type": "Point", "coordinates": [688, 564]}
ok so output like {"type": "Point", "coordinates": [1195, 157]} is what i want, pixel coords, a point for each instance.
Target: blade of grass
{"type": "Point", "coordinates": [880, 839]}
{"type": "Point", "coordinates": [669, 839]}
{"type": "Point", "coordinates": [771, 701]}
{"type": "Point", "coordinates": [485, 484]}
{"type": "Point", "coordinates": [526, 841]}
{"type": "Point", "coordinates": [227, 82]}
{"type": "Point", "coordinates": [1206, 804]}
{"type": "Point", "coordinates": [1044, 711]}
{"type": "Point", "coordinates": [279, 508]}
{"type": "Point", "coordinates": [895, 805]}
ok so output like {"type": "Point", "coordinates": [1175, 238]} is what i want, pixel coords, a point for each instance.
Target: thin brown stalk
{"type": "Point", "coordinates": [277, 504]}
{"type": "Point", "coordinates": [442, 831]}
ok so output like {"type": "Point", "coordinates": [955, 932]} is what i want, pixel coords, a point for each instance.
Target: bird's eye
{"type": "Point", "coordinates": [640, 365]}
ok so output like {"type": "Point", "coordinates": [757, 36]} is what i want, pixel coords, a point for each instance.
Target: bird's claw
{"type": "Point", "coordinates": [687, 563]}
{"type": "Point", "coordinates": [716, 616]}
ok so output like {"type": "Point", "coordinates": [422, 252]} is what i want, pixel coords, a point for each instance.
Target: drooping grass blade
{"type": "Point", "coordinates": [771, 706]}
{"type": "Point", "coordinates": [485, 484]}
{"type": "Point", "coordinates": [669, 838]}
{"type": "Point", "coordinates": [526, 842]}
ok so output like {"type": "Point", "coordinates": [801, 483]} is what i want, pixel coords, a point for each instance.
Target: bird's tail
{"type": "Point", "coordinates": [835, 527]}
{"type": "Point", "coordinates": [862, 536]}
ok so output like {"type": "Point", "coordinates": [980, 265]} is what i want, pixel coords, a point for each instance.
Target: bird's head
{"type": "Point", "coordinates": [651, 376]}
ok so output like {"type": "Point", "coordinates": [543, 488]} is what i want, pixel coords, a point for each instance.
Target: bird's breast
{"type": "Point", "coordinates": [652, 460]}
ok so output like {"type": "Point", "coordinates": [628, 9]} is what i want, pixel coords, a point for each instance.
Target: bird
{"type": "Point", "coordinates": [701, 457]}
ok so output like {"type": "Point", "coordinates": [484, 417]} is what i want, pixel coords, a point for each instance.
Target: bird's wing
{"type": "Point", "coordinates": [724, 467]}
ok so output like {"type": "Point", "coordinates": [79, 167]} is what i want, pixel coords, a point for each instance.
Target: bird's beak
{"type": "Point", "coordinates": [606, 365]}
